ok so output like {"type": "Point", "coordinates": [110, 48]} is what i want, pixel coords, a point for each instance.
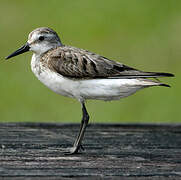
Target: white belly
{"type": "Point", "coordinates": [102, 89]}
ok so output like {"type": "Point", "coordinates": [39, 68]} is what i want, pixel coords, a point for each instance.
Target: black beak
{"type": "Point", "coordinates": [21, 50]}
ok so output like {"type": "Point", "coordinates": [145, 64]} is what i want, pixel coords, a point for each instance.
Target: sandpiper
{"type": "Point", "coordinates": [81, 74]}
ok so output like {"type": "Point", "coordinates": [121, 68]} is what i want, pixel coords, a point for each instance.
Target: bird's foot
{"type": "Point", "coordinates": [72, 150]}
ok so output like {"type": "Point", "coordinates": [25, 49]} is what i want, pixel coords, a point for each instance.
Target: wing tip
{"type": "Point", "coordinates": [165, 74]}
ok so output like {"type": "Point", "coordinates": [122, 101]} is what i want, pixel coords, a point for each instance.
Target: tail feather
{"type": "Point", "coordinates": [150, 82]}
{"type": "Point", "coordinates": [160, 74]}
{"type": "Point", "coordinates": [165, 85]}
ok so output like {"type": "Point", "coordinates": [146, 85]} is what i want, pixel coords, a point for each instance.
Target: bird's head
{"type": "Point", "coordinates": [39, 41]}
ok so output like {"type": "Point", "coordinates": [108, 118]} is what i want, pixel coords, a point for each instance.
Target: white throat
{"type": "Point", "coordinates": [40, 49]}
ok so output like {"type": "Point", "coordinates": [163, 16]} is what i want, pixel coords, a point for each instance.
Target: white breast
{"type": "Point", "coordinates": [52, 80]}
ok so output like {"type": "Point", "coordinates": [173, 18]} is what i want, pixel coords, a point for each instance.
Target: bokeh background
{"type": "Point", "coordinates": [143, 34]}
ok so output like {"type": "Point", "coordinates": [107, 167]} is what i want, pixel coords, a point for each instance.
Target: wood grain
{"type": "Point", "coordinates": [112, 151]}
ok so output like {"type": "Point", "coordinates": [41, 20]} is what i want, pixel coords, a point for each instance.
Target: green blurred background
{"type": "Point", "coordinates": [139, 33]}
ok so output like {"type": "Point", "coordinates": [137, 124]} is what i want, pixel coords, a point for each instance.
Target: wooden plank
{"type": "Point", "coordinates": [31, 151]}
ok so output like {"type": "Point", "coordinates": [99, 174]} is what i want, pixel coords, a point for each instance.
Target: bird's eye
{"type": "Point", "coordinates": [41, 38]}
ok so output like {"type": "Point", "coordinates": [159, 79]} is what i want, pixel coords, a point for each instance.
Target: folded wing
{"type": "Point", "coordinates": [78, 63]}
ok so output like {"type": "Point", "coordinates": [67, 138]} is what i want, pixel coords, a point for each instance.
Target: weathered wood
{"type": "Point", "coordinates": [31, 151]}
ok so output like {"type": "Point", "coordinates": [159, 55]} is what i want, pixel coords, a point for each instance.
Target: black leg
{"type": "Point", "coordinates": [84, 122]}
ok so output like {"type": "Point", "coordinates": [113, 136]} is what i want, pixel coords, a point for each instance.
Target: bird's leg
{"type": "Point", "coordinates": [84, 122]}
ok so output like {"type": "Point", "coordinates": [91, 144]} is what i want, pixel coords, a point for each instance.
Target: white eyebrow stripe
{"type": "Point", "coordinates": [46, 35]}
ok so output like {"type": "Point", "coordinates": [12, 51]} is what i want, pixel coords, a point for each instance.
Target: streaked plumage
{"type": "Point", "coordinates": [81, 74]}
{"type": "Point", "coordinates": [80, 64]}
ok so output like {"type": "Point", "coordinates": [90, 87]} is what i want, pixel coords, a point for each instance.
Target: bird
{"type": "Point", "coordinates": [82, 75]}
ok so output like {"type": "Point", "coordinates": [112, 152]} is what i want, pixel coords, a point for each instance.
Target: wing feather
{"type": "Point", "coordinates": [78, 63]}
